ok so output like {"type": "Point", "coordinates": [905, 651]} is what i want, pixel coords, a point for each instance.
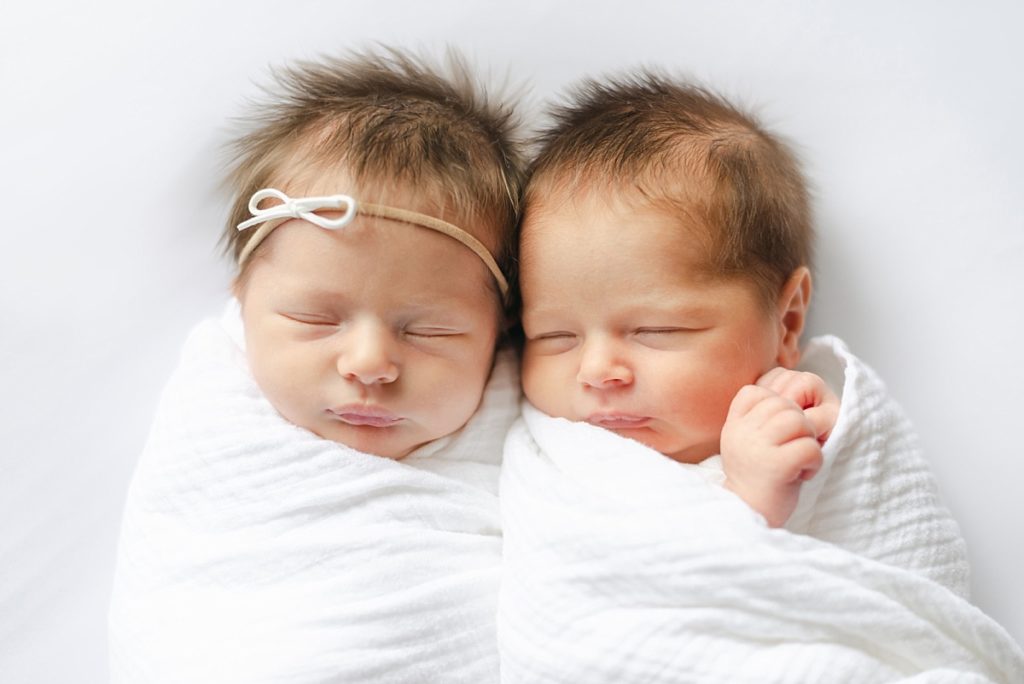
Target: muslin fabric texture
{"type": "Point", "coordinates": [621, 565]}
{"type": "Point", "coordinates": [254, 551]}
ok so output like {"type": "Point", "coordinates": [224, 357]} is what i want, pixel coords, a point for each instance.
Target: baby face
{"type": "Point", "coordinates": [624, 333]}
{"type": "Point", "coordinates": [379, 335]}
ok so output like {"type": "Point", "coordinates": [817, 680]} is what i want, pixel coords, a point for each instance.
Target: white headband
{"type": "Point", "coordinates": [305, 208]}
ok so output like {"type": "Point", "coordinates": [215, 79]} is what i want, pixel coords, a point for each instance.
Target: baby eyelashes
{"type": "Point", "coordinates": [416, 330]}
{"type": "Point", "coordinates": [772, 438]}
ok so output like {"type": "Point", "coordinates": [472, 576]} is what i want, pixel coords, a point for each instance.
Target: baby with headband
{"type": "Point", "coordinates": [318, 497]}
{"type": "Point", "coordinates": [370, 317]}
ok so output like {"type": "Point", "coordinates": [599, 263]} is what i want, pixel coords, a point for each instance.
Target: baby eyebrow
{"type": "Point", "coordinates": [545, 317]}
{"type": "Point", "coordinates": [680, 311]}
{"type": "Point", "coordinates": [560, 313]}
{"type": "Point", "coordinates": [442, 311]}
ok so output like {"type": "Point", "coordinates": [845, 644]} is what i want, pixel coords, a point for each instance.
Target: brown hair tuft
{"type": "Point", "coordinates": [388, 118]}
{"type": "Point", "coordinates": [683, 147]}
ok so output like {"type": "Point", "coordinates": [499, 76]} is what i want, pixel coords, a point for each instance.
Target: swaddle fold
{"type": "Point", "coordinates": [621, 565]}
{"type": "Point", "coordinates": [254, 551]}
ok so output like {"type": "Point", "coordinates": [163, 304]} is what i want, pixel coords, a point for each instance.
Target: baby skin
{"type": "Point", "coordinates": [772, 438]}
{"type": "Point", "coordinates": [624, 330]}
{"type": "Point", "coordinates": [379, 336]}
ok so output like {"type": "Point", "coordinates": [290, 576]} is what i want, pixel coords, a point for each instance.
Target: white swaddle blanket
{"type": "Point", "coordinates": [254, 551]}
{"type": "Point", "coordinates": [621, 565]}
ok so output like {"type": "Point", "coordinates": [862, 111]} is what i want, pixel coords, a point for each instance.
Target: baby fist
{"type": "Point", "coordinates": [819, 403]}
{"type": "Point", "coordinates": [770, 446]}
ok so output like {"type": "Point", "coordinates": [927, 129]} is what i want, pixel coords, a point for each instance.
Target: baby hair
{"type": "Point", "coordinates": [683, 148]}
{"type": "Point", "coordinates": [389, 119]}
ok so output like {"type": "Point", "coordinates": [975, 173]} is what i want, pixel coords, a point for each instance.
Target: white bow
{"type": "Point", "coordinates": [304, 208]}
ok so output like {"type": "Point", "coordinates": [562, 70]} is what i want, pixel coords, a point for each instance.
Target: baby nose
{"type": "Point", "coordinates": [367, 355]}
{"type": "Point", "coordinates": [602, 367]}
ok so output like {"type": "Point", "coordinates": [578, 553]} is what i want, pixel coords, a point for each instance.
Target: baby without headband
{"type": "Point", "coordinates": [305, 208]}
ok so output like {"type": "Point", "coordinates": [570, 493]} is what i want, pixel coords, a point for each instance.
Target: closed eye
{"type": "Point", "coordinates": [660, 331]}
{"type": "Point", "coordinates": [310, 319]}
{"type": "Point", "coordinates": [558, 335]}
{"type": "Point", "coordinates": [431, 332]}
{"type": "Point", "coordinates": [667, 338]}
{"type": "Point", "coordinates": [550, 343]}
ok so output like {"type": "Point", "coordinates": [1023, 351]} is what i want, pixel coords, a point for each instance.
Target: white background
{"type": "Point", "coordinates": [111, 119]}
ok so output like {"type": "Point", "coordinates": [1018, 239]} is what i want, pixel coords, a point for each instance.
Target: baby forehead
{"type": "Point", "coordinates": [400, 301]}
{"type": "Point", "coordinates": [592, 223]}
{"type": "Point", "coordinates": [371, 262]}
{"type": "Point", "coordinates": [370, 242]}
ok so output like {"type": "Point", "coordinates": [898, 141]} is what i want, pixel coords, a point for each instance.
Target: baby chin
{"type": "Point", "coordinates": [387, 436]}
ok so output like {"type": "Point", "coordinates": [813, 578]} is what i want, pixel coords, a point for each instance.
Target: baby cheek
{"type": "Point", "coordinates": [462, 389]}
{"type": "Point", "coordinates": [530, 379]}
{"type": "Point", "coordinates": [706, 405]}
{"type": "Point", "coordinates": [544, 385]}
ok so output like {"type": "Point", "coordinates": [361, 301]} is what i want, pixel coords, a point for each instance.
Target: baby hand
{"type": "Point", "coordinates": [819, 403]}
{"type": "Point", "coordinates": [770, 446]}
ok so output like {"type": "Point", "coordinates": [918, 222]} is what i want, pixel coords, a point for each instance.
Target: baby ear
{"type": "Point", "coordinates": [793, 303]}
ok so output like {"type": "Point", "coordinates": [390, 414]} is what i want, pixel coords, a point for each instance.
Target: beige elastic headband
{"type": "Point", "coordinates": [305, 208]}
